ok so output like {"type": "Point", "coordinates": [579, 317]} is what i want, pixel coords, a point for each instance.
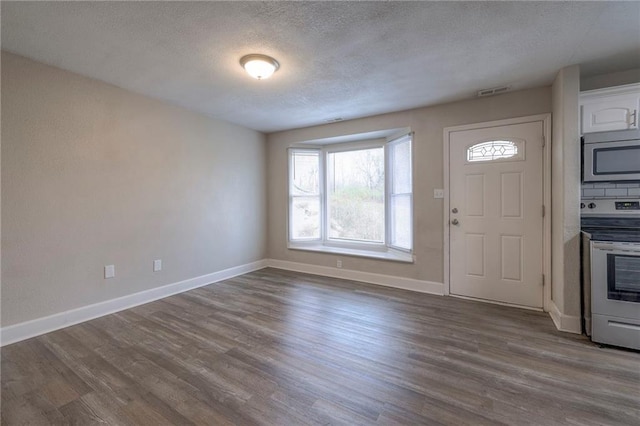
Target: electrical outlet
{"type": "Point", "coordinates": [438, 193]}
{"type": "Point", "coordinates": [109, 271]}
{"type": "Point", "coordinates": [339, 263]}
{"type": "Point", "coordinates": [157, 265]}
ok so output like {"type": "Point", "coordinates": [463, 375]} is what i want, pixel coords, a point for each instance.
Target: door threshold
{"type": "Point", "coordinates": [495, 302]}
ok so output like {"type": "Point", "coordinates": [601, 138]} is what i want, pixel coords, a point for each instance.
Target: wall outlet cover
{"type": "Point", "coordinates": [109, 271]}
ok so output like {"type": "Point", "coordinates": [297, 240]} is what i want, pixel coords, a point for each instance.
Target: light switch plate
{"type": "Point", "coordinates": [438, 193]}
{"type": "Point", "coordinates": [109, 271]}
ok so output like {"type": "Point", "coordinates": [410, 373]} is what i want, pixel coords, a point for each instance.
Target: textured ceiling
{"type": "Point", "coordinates": [338, 59]}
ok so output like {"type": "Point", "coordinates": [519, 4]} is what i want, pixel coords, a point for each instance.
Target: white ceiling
{"type": "Point", "coordinates": [338, 59]}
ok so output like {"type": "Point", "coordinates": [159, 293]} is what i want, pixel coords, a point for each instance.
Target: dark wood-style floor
{"type": "Point", "coordinates": [283, 348]}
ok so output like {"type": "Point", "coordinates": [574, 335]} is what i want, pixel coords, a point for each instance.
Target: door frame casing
{"type": "Point", "coordinates": [546, 198]}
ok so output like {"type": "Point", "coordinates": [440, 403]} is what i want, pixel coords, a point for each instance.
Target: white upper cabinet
{"type": "Point", "coordinates": [613, 108]}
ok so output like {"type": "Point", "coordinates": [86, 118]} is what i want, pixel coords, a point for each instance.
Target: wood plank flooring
{"type": "Point", "coordinates": [282, 348]}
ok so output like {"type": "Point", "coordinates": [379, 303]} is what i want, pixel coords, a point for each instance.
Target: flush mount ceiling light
{"type": "Point", "coordinates": [259, 66]}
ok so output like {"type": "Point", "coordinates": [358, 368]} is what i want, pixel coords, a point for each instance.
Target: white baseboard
{"type": "Point", "coordinates": [25, 330]}
{"type": "Point", "coordinates": [587, 326]}
{"type": "Point", "coordinates": [17, 332]}
{"type": "Point", "coordinates": [568, 323]}
{"type": "Point", "coordinates": [367, 277]}
{"type": "Point", "coordinates": [555, 315]}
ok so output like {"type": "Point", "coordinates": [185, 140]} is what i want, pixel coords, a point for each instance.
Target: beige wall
{"type": "Point", "coordinates": [95, 175]}
{"type": "Point", "coordinates": [428, 124]}
{"type": "Point", "coordinates": [612, 79]}
{"type": "Point", "coordinates": [565, 181]}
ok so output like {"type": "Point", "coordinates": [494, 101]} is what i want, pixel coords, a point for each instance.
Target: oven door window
{"type": "Point", "coordinates": [616, 160]}
{"type": "Point", "coordinates": [623, 277]}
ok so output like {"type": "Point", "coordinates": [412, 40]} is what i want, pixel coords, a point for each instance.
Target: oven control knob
{"type": "Point", "coordinates": [582, 205]}
{"type": "Point", "coordinates": [592, 205]}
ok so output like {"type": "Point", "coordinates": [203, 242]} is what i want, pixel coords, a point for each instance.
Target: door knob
{"type": "Point", "coordinates": [455, 222]}
{"type": "Point", "coordinates": [455, 210]}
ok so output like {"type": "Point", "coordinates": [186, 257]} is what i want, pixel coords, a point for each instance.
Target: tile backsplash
{"type": "Point", "coordinates": [592, 191]}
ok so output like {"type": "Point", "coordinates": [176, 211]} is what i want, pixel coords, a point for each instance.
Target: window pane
{"type": "Point", "coordinates": [305, 167]}
{"type": "Point", "coordinates": [401, 166]}
{"type": "Point", "coordinates": [305, 218]}
{"type": "Point", "coordinates": [401, 221]}
{"type": "Point", "coordinates": [356, 195]}
{"type": "Point", "coordinates": [494, 150]}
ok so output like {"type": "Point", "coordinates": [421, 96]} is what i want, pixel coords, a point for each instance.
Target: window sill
{"type": "Point", "coordinates": [390, 254]}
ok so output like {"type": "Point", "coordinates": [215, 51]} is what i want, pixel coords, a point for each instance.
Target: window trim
{"type": "Point", "coordinates": [389, 190]}
{"type": "Point", "coordinates": [386, 254]}
{"type": "Point", "coordinates": [378, 250]}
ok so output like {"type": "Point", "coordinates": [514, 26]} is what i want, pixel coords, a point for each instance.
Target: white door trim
{"type": "Point", "coordinates": [546, 187]}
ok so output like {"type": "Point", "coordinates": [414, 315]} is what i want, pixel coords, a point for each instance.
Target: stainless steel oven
{"type": "Point", "coordinates": [611, 302]}
{"type": "Point", "coordinates": [611, 156]}
{"type": "Point", "coordinates": [615, 293]}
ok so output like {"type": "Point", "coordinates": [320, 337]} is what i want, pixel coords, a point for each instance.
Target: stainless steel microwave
{"type": "Point", "coordinates": [611, 156]}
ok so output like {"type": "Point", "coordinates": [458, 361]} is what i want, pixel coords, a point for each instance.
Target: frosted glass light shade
{"type": "Point", "coordinates": [259, 66]}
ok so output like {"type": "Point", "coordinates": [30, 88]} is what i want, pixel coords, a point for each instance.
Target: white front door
{"type": "Point", "coordinates": [496, 213]}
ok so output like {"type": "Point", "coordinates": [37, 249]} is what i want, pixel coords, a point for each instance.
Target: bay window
{"type": "Point", "coordinates": [353, 198]}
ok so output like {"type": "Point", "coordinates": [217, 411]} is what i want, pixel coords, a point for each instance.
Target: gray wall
{"type": "Point", "coordinates": [95, 175]}
{"type": "Point", "coordinates": [608, 80]}
{"type": "Point", "coordinates": [565, 202]}
{"type": "Point", "coordinates": [428, 124]}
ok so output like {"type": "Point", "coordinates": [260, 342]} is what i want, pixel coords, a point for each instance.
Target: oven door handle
{"type": "Point", "coordinates": [617, 251]}
{"type": "Point", "coordinates": [623, 248]}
